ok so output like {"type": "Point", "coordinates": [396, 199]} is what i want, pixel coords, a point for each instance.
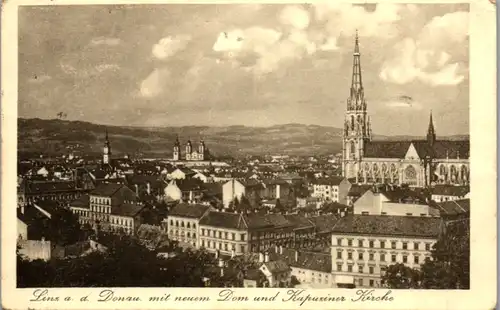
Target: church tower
{"type": "Point", "coordinates": [201, 150]}
{"type": "Point", "coordinates": [106, 150]}
{"type": "Point", "coordinates": [431, 133]}
{"type": "Point", "coordinates": [177, 149]}
{"type": "Point", "coordinates": [357, 129]}
{"type": "Point", "coordinates": [189, 150]}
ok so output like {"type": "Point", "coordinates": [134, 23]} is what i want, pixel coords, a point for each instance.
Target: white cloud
{"type": "Point", "coordinates": [170, 46]}
{"type": "Point", "coordinates": [68, 69]}
{"type": "Point", "coordinates": [152, 86]}
{"type": "Point", "coordinates": [295, 16]}
{"type": "Point", "coordinates": [105, 41]}
{"type": "Point", "coordinates": [329, 45]}
{"type": "Point", "coordinates": [427, 58]}
{"type": "Point", "coordinates": [451, 27]}
{"type": "Point", "coordinates": [402, 104]}
{"type": "Point", "coordinates": [107, 67]}
{"type": "Point", "coordinates": [342, 19]}
{"type": "Point", "coordinates": [268, 46]}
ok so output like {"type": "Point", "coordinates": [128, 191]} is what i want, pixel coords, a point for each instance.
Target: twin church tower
{"type": "Point", "coordinates": [190, 153]}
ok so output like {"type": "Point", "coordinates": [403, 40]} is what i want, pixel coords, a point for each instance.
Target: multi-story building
{"type": "Point", "coordinates": [111, 207]}
{"type": "Point", "coordinates": [398, 202]}
{"type": "Point", "coordinates": [63, 191]}
{"type": "Point", "coordinates": [224, 232]}
{"type": "Point", "coordinates": [333, 189]}
{"type": "Point", "coordinates": [184, 223]}
{"type": "Point", "coordinates": [364, 245]}
{"type": "Point", "coordinates": [311, 269]}
{"type": "Point", "coordinates": [445, 192]}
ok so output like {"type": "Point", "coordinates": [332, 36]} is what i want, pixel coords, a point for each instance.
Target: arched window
{"type": "Point", "coordinates": [453, 173]}
{"type": "Point", "coordinates": [182, 224]}
{"type": "Point", "coordinates": [353, 150]}
{"type": "Point", "coordinates": [359, 121]}
{"type": "Point", "coordinates": [411, 175]}
{"type": "Point", "coordinates": [352, 121]}
{"type": "Point", "coordinates": [465, 173]}
{"type": "Point", "coordinates": [394, 170]}
{"type": "Point", "coordinates": [188, 225]}
{"type": "Point", "coordinates": [443, 172]}
{"type": "Point", "coordinates": [177, 223]}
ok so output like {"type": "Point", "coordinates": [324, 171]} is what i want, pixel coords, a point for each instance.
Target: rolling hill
{"type": "Point", "coordinates": [58, 136]}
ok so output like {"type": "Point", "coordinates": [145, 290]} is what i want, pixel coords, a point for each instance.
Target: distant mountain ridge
{"type": "Point", "coordinates": [55, 136]}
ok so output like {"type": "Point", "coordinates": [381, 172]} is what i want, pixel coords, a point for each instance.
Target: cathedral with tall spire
{"type": "Point", "coordinates": [419, 163]}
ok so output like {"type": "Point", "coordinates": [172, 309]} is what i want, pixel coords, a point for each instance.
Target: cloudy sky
{"type": "Point", "coordinates": [260, 65]}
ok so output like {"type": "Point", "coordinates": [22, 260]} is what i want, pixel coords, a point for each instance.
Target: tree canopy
{"type": "Point", "coordinates": [126, 264]}
{"type": "Point", "coordinates": [448, 268]}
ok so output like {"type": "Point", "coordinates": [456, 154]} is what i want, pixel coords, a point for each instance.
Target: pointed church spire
{"type": "Point", "coordinates": [357, 94]}
{"type": "Point", "coordinates": [431, 133]}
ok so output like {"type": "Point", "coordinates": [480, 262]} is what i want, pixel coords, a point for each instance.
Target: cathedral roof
{"type": "Point", "coordinates": [386, 149]}
{"type": "Point", "coordinates": [397, 149]}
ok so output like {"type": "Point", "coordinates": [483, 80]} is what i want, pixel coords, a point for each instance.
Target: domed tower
{"type": "Point", "coordinates": [189, 150]}
{"type": "Point", "coordinates": [201, 150]}
{"type": "Point", "coordinates": [177, 149]}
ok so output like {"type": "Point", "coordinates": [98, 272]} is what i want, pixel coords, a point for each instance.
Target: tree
{"type": "Point", "coordinates": [450, 264]}
{"type": "Point", "coordinates": [447, 269]}
{"type": "Point", "coordinates": [399, 276]}
{"type": "Point", "coordinates": [62, 228]}
{"type": "Point", "coordinates": [127, 263]}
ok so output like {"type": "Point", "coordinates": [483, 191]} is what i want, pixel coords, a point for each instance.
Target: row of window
{"type": "Point", "coordinates": [81, 212]}
{"type": "Point", "coordinates": [187, 225]}
{"type": "Point", "coordinates": [383, 258]}
{"type": "Point", "coordinates": [188, 234]}
{"type": "Point", "coordinates": [222, 246]}
{"type": "Point", "coordinates": [385, 213]}
{"type": "Point", "coordinates": [100, 209]}
{"type": "Point", "coordinates": [371, 269]}
{"type": "Point", "coordinates": [372, 283]}
{"type": "Point", "coordinates": [221, 235]}
{"type": "Point", "coordinates": [122, 221]}
{"type": "Point", "coordinates": [382, 244]}
{"type": "Point", "coordinates": [105, 201]}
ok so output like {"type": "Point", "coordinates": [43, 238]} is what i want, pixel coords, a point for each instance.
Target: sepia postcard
{"type": "Point", "coordinates": [216, 155]}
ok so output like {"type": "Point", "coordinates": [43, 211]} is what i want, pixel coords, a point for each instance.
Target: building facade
{"type": "Point", "coordinates": [363, 246]}
{"type": "Point", "coordinates": [331, 189]}
{"type": "Point", "coordinates": [184, 223]}
{"type": "Point", "coordinates": [191, 153]}
{"type": "Point", "coordinates": [418, 163]}
{"type": "Point", "coordinates": [224, 232]}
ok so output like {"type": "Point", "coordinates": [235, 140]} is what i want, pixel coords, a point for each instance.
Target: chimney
{"type": "Point", "coordinates": [136, 189]}
{"type": "Point", "coordinates": [190, 196]}
{"type": "Point", "coordinates": [148, 188]}
{"type": "Point", "coordinates": [266, 257]}
{"type": "Point", "coordinates": [296, 256]}
{"type": "Point", "coordinates": [281, 249]}
{"type": "Point", "coordinates": [261, 258]}
{"type": "Point", "coordinates": [43, 239]}
{"type": "Point", "coordinates": [278, 192]}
